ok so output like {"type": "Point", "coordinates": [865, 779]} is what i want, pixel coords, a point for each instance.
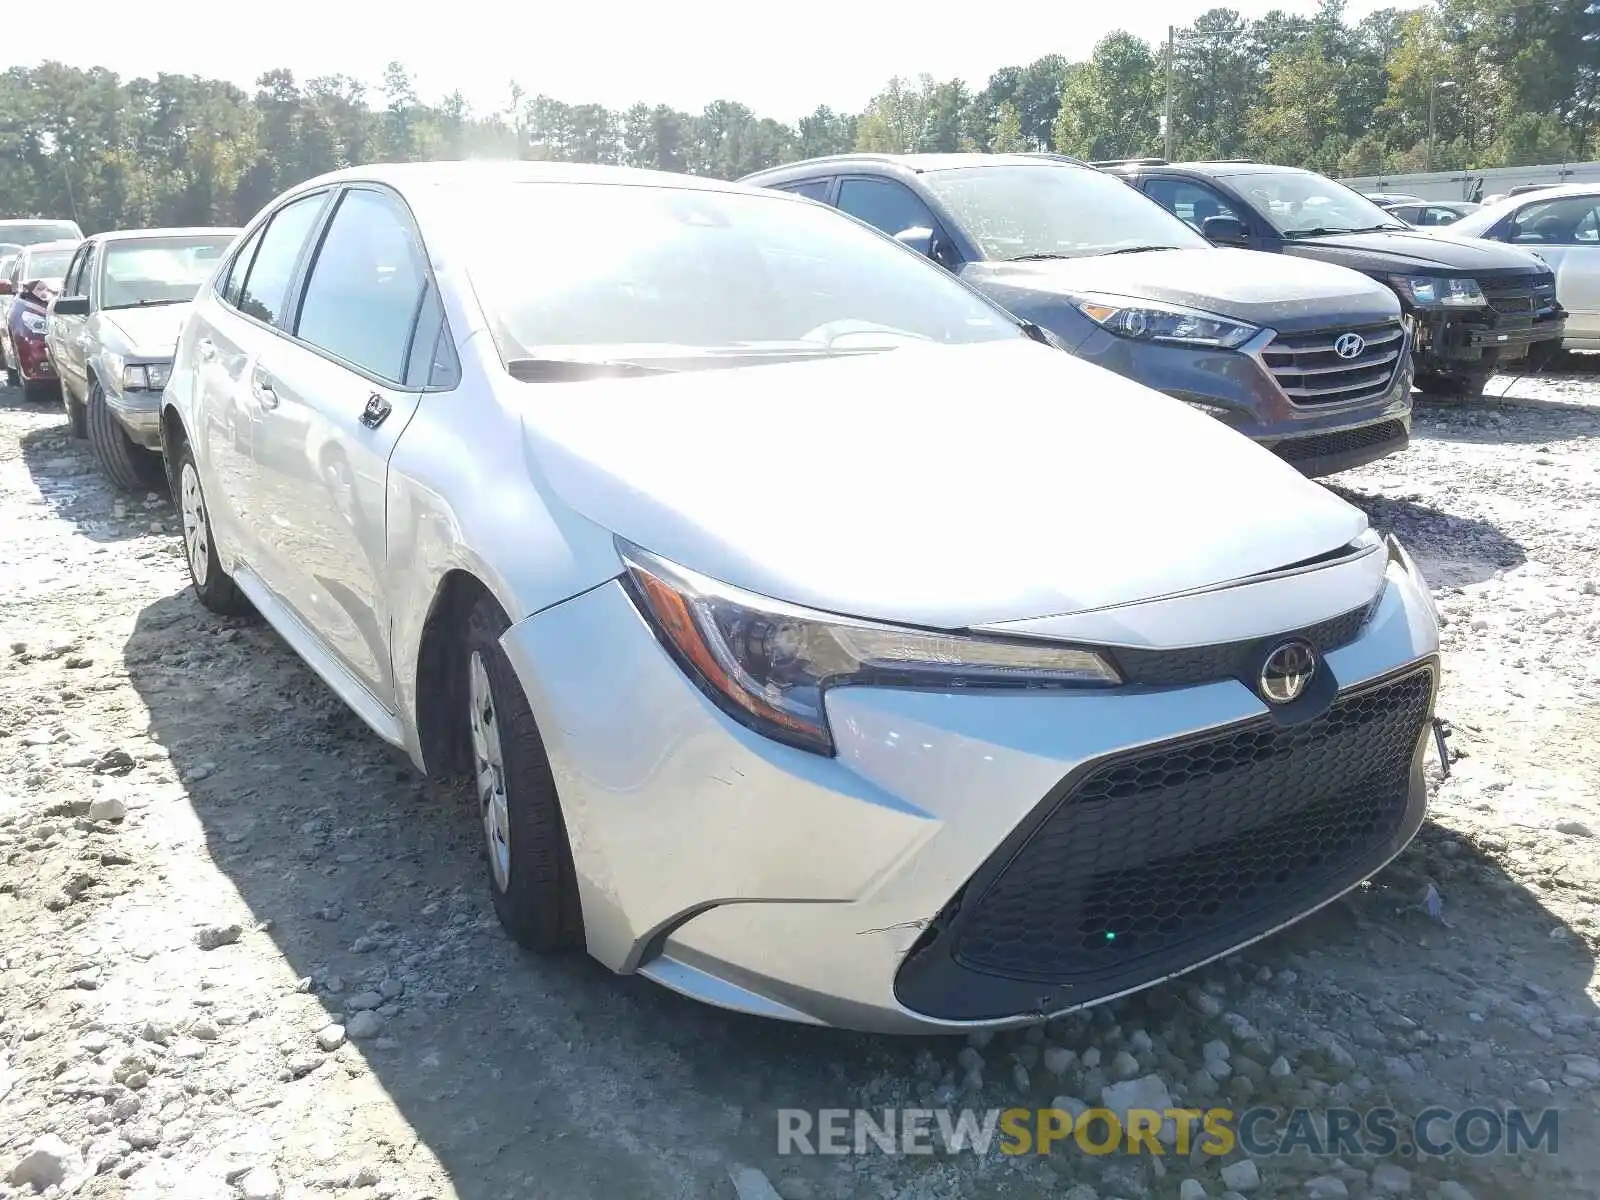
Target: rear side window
{"type": "Point", "coordinates": [233, 282]}
{"type": "Point", "coordinates": [266, 288]}
{"type": "Point", "coordinates": [366, 285]}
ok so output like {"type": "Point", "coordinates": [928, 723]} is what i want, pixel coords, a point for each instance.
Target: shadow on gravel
{"type": "Point", "coordinates": [538, 1077]}
{"type": "Point", "coordinates": [1505, 420]}
{"type": "Point", "coordinates": [73, 485]}
{"type": "Point", "coordinates": [1450, 549]}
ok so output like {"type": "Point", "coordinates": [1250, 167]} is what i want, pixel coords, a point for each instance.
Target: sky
{"type": "Point", "coordinates": [782, 61]}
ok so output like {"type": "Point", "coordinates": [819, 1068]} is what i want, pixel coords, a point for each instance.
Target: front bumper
{"type": "Point", "coordinates": [33, 359]}
{"type": "Point", "coordinates": [769, 880]}
{"type": "Point", "coordinates": [138, 411]}
{"type": "Point", "coordinates": [1478, 341]}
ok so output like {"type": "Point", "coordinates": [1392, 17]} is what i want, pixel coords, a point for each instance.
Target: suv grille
{"type": "Point", "coordinates": [1520, 295]}
{"type": "Point", "coordinates": [1155, 860]}
{"type": "Point", "coordinates": [1310, 371]}
{"type": "Point", "coordinates": [1341, 441]}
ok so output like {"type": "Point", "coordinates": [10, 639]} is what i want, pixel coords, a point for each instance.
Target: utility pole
{"type": "Point", "coordinates": [1433, 104]}
{"type": "Point", "coordinates": [1166, 118]}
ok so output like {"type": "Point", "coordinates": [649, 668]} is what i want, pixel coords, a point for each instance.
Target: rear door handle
{"type": "Point", "coordinates": [261, 389]}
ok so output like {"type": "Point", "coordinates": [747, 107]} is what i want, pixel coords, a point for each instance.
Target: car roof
{"type": "Point", "coordinates": [1222, 170]}
{"type": "Point", "coordinates": [46, 247]}
{"type": "Point", "coordinates": [129, 235]}
{"type": "Point", "coordinates": [404, 176]}
{"type": "Point", "coordinates": [1556, 191]}
{"type": "Point", "coordinates": [918, 164]}
{"type": "Point", "coordinates": [13, 222]}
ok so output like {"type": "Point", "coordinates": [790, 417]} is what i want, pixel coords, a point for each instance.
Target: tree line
{"type": "Point", "coordinates": [1496, 82]}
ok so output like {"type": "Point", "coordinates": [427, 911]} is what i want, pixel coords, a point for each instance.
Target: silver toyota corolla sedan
{"type": "Point", "coordinates": [819, 643]}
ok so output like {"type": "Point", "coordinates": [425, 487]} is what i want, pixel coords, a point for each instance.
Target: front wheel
{"type": "Point", "coordinates": [213, 586]}
{"type": "Point", "coordinates": [531, 875]}
{"type": "Point", "coordinates": [126, 464]}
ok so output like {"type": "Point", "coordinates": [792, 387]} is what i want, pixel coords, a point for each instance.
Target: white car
{"type": "Point", "coordinates": [818, 643]}
{"type": "Point", "coordinates": [1562, 226]}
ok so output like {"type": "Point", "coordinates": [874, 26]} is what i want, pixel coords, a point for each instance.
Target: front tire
{"type": "Point", "coordinates": [531, 875]}
{"type": "Point", "coordinates": [213, 586]}
{"type": "Point", "coordinates": [127, 465]}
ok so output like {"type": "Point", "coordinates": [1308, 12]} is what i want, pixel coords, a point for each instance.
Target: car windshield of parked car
{"type": "Point", "coordinates": [1047, 210]}
{"type": "Point", "coordinates": [45, 231]}
{"type": "Point", "coordinates": [145, 271]}
{"type": "Point", "coordinates": [627, 272]}
{"type": "Point", "coordinates": [47, 264]}
{"type": "Point", "coordinates": [1300, 204]}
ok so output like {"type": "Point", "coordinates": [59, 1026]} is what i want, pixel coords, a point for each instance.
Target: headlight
{"type": "Point", "coordinates": [767, 664]}
{"type": "Point", "coordinates": [1434, 291]}
{"type": "Point", "coordinates": [1151, 321]}
{"type": "Point", "coordinates": [34, 323]}
{"type": "Point", "coordinates": [1398, 556]}
{"type": "Point", "coordinates": [142, 376]}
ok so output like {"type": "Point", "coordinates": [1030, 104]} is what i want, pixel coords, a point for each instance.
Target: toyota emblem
{"type": "Point", "coordinates": [1287, 671]}
{"type": "Point", "coordinates": [1349, 345]}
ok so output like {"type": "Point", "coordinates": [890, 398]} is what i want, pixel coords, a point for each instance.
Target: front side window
{"type": "Point", "coordinates": [72, 285]}
{"type": "Point", "coordinates": [233, 282]}
{"type": "Point", "coordinates": [884, 204]}
{"type": "Point", "coordinates": [365, 286]}
{"type": "Point", "coordinates": [140, 272]}
{"type": "Point", "coordinates": [1052, 210]}
{"type": "Point", "coordinates": [1192, 203]}
{"type": "Point", "coordinates": [812, 189]}
{"type": "Point", "coordinates": [91, 255]}
{"type": "Point", "coordinates": [1303, 204]}
{"type": "Point", "coordinates": [725, 278]}
{"type": "Point", "coordinates": [1570, 221]}
{"type": "Point", "coordinates": [265, 293]}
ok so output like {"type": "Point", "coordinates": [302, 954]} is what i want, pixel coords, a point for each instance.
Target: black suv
{"type": "Point", "coordinates": [1311, 360]}
{"type": "Point", "coordinates": [1478, 308]}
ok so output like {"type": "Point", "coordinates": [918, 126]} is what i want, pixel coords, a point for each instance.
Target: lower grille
{"type": "Point", "coordinates": [1311, 371]}
{"type": "Point", "coordinates": [1155, 860]}
{"type": "Point", "coordinates": [1343, 441]}
{"type": "Point", "coordinates": [1520, 295]}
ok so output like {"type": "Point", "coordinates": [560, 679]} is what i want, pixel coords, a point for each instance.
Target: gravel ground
{"type": "Point", "coordinates": [245, 952]}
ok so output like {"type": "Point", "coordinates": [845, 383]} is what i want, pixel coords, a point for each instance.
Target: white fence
{"type": "Point", "coordinates": [1475, 185]}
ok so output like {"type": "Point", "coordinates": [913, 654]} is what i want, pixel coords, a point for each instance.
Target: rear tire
{"type": "Point", "coordinates": [531, 876]}
{"type": "Point", "coordinates": [213, 586]}
{"type": "Point", "coordinates": [126, 464]}
{"type": "Point", "coordinates": [1451, 385]}
{"type": "Point", "coordinates": [77, 418]}
{"type": "Point", "coordinates": [12, 378]}
{"type": "Point", "coordinates": [39, 391]}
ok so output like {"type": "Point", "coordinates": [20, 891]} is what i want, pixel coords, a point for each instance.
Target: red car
{"type": "Point", "coordinates": [25, 291]}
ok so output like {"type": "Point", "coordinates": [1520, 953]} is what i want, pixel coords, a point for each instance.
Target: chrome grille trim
{"type": "Point", "coordinates": [1310, 373]}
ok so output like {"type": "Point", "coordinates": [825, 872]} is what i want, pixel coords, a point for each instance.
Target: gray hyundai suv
{"type": "Point", "coordinates": [1310, 359]}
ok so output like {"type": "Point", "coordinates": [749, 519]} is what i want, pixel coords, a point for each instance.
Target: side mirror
{"type": "Point", "coordinates": [71, 306]}
{"type": "Point", "coordinates": [1224, 231]}
{"type": "Point", "coordinates": [918, 239]}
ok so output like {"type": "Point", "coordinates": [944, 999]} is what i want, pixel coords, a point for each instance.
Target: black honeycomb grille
{"type": "Point", "coordinates": [1343, 441]}
{"type": "Point", "coordinates": [1229, 660]}
{"type": "Point", "coordinates": [1153, 861]}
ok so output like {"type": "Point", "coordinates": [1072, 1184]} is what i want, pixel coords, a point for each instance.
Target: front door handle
{"type": "Point", "coordinates": [376, 412]}
{"type": "Point", "coordinates": [261, 389]}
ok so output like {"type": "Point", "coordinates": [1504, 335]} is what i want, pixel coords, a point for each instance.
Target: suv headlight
{"type": "Point", "coordinates": [767, 664]}
{"type": "Point", "coordinates": [1155, 321]}
{"type": "Point", "coordinates": [1438, 291]}
{"type": "Point", "coordinates": [146, 376]}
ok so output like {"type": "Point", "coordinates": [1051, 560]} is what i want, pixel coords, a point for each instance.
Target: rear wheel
{"type": "Point", "coordinates": [77, 418]}
{"type": "Point", "coordinates": [126, 464]}
{"type": "Point", "coordinates": [531, 876]}
{"type": "Point", "coordinates": [213, 586]}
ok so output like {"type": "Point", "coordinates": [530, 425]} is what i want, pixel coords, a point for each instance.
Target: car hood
{"type": "Point", "coordinates": [936, 486]}
{"type": "Point", "coordinates": [1279, 292]}
{"type": "Point", "coordinates": [1413, 250]}
{"type": "Point", "coordinates": [149, 332]}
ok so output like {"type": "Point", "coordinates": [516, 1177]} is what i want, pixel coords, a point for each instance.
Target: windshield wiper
{"type": "Point", "coordinates": [562, 370]}
{"type": "Point", "coordinates": [1134, 250]}
{"type": "Point", "coordinates": [1319, 231]}
{"type": "Point", "coordinates": [1037, 257]}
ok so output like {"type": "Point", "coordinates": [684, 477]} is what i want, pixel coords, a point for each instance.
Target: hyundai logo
{"type": "Point", "coordinates": [1288, 670]}
{"type": "Point", "coordinates": [1349, 345]}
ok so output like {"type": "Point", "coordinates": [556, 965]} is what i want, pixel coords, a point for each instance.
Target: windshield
{"type": "Point", "coordinates": [614, 272]}
{"type": "Point", "coordinates": [159, 270]}
{"type": "Point", "coordinates": [1053, 210]}
{"type": "Point", "coordinates": [1298, 202]}
{"type": "Point", "coordinates": [44, 231]}
{"type": "Point", "coordinates": [47, 264]}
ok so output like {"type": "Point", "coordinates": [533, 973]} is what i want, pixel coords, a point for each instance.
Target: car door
{"type": "Point", "coordinates": [336, 398]}
{"type": "Point", "coordinates": [66, 336]}
{"type": "Point", "coordinates": [1565, 232]}
{"type": "Point", "coordinates": [1193, 203]}
{"type": "Point", "coordinates": [229, 327]}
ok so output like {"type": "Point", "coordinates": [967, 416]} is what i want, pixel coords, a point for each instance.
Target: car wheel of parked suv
{"type": "Point", "coordinates": [213, 586]}
{"type": "Point", "coordinates": [126, 464]}
{"type": "Point", "coordinates": [1451, 385]}
{"type": "Point", "coordinates": [531, 874]}
{"type": "Point", "coordinates": [12, 378]}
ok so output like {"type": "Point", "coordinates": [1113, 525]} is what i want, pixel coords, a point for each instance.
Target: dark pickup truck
{"type": "Point", "coordinates": [1476, 307]}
